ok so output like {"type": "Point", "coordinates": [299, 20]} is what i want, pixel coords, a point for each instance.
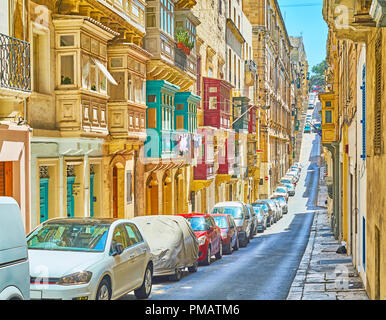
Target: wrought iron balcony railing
{"type": "Point", "coordinates": [15, 66]}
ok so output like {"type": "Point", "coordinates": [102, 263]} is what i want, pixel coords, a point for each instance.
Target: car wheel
{"type": "Point", "coordinates": [219, 253]}
{"type": "Point", "coordinates": [207, 261]}
{"type": "Point", "coordinates": [144, 291]}
{"type": "Point", "coordinates": [193, 268]}
{"type": "Point", "coordinates": [104, 290]}
{"type": "Point", "coordinates": [177, 275]}
{"type": "Point", "coordinates": [237, 244]}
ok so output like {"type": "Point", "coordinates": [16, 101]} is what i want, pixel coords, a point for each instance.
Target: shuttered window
{"type": "Point", "coordinates": [378, 97]}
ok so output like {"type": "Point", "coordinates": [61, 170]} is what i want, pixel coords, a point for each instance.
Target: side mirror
{"type": "Point", "coordinates": [117, 249]}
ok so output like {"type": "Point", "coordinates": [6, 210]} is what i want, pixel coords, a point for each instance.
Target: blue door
{"type": "Point", "coordinates": [91, 195]}
{"type": "Point", "coordinates": [44, 199]}
{"type": "Point", "coordinates": [70, 197]}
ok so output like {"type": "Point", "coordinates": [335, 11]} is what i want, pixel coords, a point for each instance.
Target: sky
{"type": "Point", "coordinates": [304, 17]}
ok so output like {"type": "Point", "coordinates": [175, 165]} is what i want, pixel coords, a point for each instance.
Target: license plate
{"type": "Point", "coordinates": [35, 294]}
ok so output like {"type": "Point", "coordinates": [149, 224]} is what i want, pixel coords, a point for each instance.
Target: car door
{"type": "Point", "coordinates": [232, 229]}
{"type": "Point", "coordinates": [138, 254]}
{"type": "Point", "coordinates": [121, 262]}
{"type": "Point", "coordinates": [214, 239]}
{"type": "Point", "coordinates": [247, 218]}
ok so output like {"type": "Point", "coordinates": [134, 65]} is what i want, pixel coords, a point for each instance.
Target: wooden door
{"type": "Point", "coordinates": [6, 179]}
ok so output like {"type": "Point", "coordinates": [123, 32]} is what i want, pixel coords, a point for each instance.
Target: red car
{"type": "Point", "coordinates": [229, 234]}
{"type": "Point", "coordinates": [208, 234]}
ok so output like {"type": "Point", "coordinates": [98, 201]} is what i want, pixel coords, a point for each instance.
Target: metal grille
{"type": "Point", "coordinates": [15, 71]}
{"type": "Point", "coordinates": [378, 96]}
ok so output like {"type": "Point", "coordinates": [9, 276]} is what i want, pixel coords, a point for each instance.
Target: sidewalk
{"type": "Point", "coordinates": [324, 274]}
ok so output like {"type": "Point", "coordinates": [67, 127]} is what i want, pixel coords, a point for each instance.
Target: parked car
{"type": "Point", "coordinates": [14, 263]}
{"type": "Point", "coordinates": [268, 212]}
{"type": "Point", "coordinates": [288, 179]}
{"type": "Point", "coordinates": [290, 188]}
{"type": "Point", "coordinates": [229, 234]}
{"type": "Point", "coordinates": [89, 258]}
{"type": "Point", "coordinates": [208, 234]}
{"type": "Point", "coordinates": [282, 202]}
{"type": "Point", "coordinates": [274, 210]}
{"type": "Point", "coordinates": [172, 242]}
{"type": "Point", "coordinates": [253, 216]}
{"type": "Point", "coordinates": [240, 214]}
{"type": "Point", "coordinates": [281, 191]}
{"type": "Point", "coordinates": [261, 218]}
{"type": "Point", "coordinates": [307, 128]}
{"type": "Point", "coordinates": [293, 174]}
{"type": "Point", "coordinates": [278, 209]}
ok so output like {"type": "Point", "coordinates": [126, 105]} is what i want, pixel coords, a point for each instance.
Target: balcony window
{"type": "Point", "coordinates": [167, 17]}
{"type": "Point", "coordinates": [151, 21]}
{"type": "Point", "coordinates": [67, 69]}
{"type": "Point", "coordinates": [67, 41]}
{"type": "Point", "coordinates": [212, 103]}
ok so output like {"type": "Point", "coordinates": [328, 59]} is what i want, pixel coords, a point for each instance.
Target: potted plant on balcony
{"type": "Point", "coordinates": [183, 41]}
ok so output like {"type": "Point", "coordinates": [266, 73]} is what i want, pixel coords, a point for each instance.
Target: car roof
{"type": "Point", "coordinates": [229, 203]}
{"type": "Point", "coordinates": [85, 220]}
{"type": "Point", "coordinates": [190, 215]}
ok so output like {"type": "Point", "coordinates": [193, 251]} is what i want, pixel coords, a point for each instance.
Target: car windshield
{"type": "Point", "coordinates": [197, 223]}
{"type": "Point", "coordinates": [262, 205]}
{"type": "Point", "coordinates": [258, 211]}
{"type": "Point", "coordinates": [221, 221]}
{"type": "Point", "coordinates": [69, 236]}
{"type": "Point", "coordinates": [234, 211]}
{"type": "Point", "coordinates": [281, 190]}
{"type": "Point", "coordinates": [285, 181]}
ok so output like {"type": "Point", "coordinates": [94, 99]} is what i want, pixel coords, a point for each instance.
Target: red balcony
{"type": "Point", "coordinates": [217, 103]}
{"type": "Point", "coordinates": [252, 119]}
{"type": "Point", "coordinates": [226, 155]}
{"type": "Point", "coordinates": [205, 160]}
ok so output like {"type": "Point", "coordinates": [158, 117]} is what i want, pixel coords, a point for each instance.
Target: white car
{"type": "Point", "coordinates": [88, 258]}
{"type": "Point", "coordinates": [281, 191]}
{"type": "Point", "coordinates": [294, 174]}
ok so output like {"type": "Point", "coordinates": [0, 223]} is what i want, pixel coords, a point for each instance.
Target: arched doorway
{"type": "Point", "coordinates": [118, 187]}
{"type": "Point", "coordinates": [167, 193]}
{"type": "Point", "coordinates": [152, 195]}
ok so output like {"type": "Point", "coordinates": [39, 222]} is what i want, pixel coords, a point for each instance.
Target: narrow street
{"type": "Point", "coordinates": [265, 268]}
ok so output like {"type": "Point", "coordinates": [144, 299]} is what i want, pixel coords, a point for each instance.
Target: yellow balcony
{"type": "Point", "coordinates": [329, 117]}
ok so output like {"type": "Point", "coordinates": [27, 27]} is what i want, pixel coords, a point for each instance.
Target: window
{"type": "Point", "coordinates": [167, 17]}
{"type": "Point", "coordinates": [151, 98]}
{"type": "Point", "coordinates": [212, 103]}
{"type": "Point", "coordinates": [180, 122]}
{"type": "Point", "coordinates": [133, 233]}
{"type": "Point", "coordinates": [328, 116]}
{"type": "Point", "coordinates": [151, 118]}
{"type": "Point", "coordinates": [41, 70]}
{"type": "Point", "coordinates": [119, 236]}
{"type": "Point", "coordinates": [67, 41]}
{"type": "Point", "coordinates": [67, 69]}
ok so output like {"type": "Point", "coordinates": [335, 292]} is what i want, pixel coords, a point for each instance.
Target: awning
{"type": "Point", "coordinates": [10, 150]}
{"type": "Point", "coordinates": [104, 70]}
